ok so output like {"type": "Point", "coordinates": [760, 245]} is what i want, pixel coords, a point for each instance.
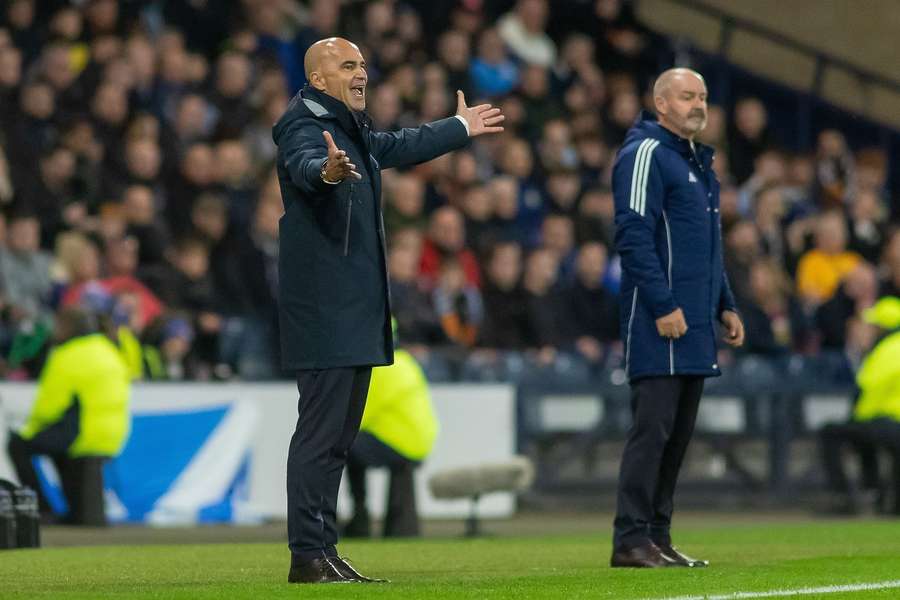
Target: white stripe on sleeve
{"type": "Point", "coordinates": [635, 176]}
{"type": "Point", "coordinates": [642, 182]}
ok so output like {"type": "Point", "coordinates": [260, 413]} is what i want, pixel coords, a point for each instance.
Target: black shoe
{"type": "Point", "coordinates": [344, 567]}
{"type": "Point", "coordinates": [318, 570]}
{"type": "Point", "coordinates": [680, 559]}
{"type": "Point", "coordinates": [646, 556]}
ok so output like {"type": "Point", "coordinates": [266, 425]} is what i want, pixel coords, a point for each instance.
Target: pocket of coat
{"type": "Point", "coordinates": [349, 218]}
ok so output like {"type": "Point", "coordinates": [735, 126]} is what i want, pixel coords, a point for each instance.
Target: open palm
{"type": "Point", "coordinates": [483, 118]}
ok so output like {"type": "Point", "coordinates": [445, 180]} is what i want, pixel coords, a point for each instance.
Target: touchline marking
{"type": "Point", "coordinates": [829, 589]}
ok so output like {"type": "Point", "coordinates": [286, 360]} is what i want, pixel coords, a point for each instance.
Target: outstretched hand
{"type": "Point", "coordinates": [338, 165]}
{"type": "Point", "coordinates": [483, 118]}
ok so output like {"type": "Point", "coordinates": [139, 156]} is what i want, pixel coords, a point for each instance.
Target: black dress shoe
{"type": "Point", "coordinates": [646, 556]}
{"type": "Point", "coordinates": [681, 559]}
{"type": "Point", "coordinates": [318, 570]}
{"type": "Point", "coordinates": [347, 570]}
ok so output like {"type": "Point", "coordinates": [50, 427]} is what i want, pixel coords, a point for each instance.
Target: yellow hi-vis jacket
{"type": "Point", "coordinates": [879, 381]}
{"type": "Point", "coordinates": [90, 370]}
{"type": "Point", "coordinates": [398, 409]}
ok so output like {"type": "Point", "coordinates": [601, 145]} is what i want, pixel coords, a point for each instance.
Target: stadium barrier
{"type": "Point", "coordinates": [218, 452]}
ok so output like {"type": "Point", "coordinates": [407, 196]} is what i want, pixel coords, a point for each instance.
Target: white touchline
{"type": "Point", "coordinates": [830, 589]}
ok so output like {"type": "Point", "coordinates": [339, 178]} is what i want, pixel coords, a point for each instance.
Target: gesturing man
{"type": "Point", "coordinates": [334, 300]}
{"type": "Point", "coordinates": [674, 289]}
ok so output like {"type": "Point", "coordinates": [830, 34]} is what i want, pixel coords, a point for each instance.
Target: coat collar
{"type": "Point", "coordinates": [324, 106]}
{"type": "Point", "coordinates": [648, 124]}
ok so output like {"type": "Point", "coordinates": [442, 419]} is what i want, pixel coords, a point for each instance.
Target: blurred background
{"type": "Point", "coordinates": [137, 179]}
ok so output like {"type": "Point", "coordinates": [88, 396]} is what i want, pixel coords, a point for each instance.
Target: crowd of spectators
{"type": "Point", "coordinates": [137, 175]}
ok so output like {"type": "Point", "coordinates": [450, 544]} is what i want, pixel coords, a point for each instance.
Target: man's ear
{"type": "Point", "coordinates": [662, 107]}
{"type": "Point", "coordinates": [317, 81]}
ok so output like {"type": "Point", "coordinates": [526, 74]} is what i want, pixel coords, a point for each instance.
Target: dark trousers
{"type": "Point", "coordinates": [401, 518]}
{"type": "Point", "coordinates": [866, 437]}
{"type": "Point", "coordinates": [663, 410]}
{"type": "Point", "coordinates": [54, 442]}
{"type": "Point", "coordinates": [329, 411]}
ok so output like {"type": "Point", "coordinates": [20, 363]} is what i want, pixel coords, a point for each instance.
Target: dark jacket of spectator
{"type": "Point", "coordinates": [505, 324]}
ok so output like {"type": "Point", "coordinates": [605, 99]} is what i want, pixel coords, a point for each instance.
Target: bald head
{"type": "Point", "coordinates": [336, 66]}
{"type": "Point", "coordinates": [327, 49]}
{"type": "Point", "coordinates": [664, 82]}
{"type": "Point", "coordinates": [680, 99]}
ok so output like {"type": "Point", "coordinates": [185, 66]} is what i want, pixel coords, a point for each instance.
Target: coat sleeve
{"type": "Point", "coordinates": [638, 191]}
{"type": "Point", "coordinates": [302, 150]}
{"type": "Point", "coordinates": [54, 396]}
{"type": "Point", "coordinates": [411, 146]}
{"type": "Point", "coordinates": [726, 297]}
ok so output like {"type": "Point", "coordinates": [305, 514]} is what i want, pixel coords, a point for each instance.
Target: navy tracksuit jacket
{"type": "Point", "coordinates": [669, 237]}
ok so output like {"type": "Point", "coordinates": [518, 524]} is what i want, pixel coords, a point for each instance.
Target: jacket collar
{"type": "Point", "coordinates": [324, 106]}
{"type": "Point", "coordinates": [648, 124]}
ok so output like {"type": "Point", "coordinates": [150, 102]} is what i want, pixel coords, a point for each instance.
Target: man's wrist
{"type": "Point", "coordinates": [322, 174]}
{"type": "Point", "coordinates": [465, 123]}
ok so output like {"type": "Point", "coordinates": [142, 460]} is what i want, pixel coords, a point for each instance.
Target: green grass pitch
{"type": "Point", "coordinates": [746, 557]}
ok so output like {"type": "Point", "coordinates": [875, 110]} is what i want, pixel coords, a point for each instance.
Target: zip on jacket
{"type": "Point", "coordinates": [349, 217]}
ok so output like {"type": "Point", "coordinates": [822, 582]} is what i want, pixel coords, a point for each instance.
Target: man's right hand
{"type": "Point", "coordinates": [338, 165]}
{"type": "Point", "coordinates": [672, 325]}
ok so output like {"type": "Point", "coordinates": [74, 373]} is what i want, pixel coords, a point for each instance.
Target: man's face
{"type": "Point", "coordinates": [342, 75]}
{"type": "Point", "coordinates": [24, 235]}
{"type": "Point", "coordinates": [682, 107]}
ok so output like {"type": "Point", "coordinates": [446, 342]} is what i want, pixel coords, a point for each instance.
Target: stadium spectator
{"type": "Point", "coordinates": [749, 137]}
{"type": "Point", "coordinates": [524, 31]}
{"type": "Point", "coordinates": [446, 239]}
{"type": "Point", "coordinates": [25, 273]}
{"type": "Point", "coordinates": [405, 202]}
{"type": "Point", "coordinates": [774, 321]}
{"type": "Point", "coordinates": [595, 219]}
{"type": "Point", "coordinates": [477, 206]}
{"type": "Point", "coordinates": [563, 190]}
{"type": "Point", "coordinates": [545, 307]}
{"type": "Point", "coordinates": [458, 304]}
{"type": "Point", "coordinates": [538, 103]}
{"type": "Point", "coordinates": [185, 285]}
{"type": "Point", "coordinates": [492, 71]}
{"type": "Point", "coordinates": [868, 224]}
{"type": "Point", "coordinates": [857, 292]}
{"type": "Point", "coordinates": [821, 270]}
{"type": "Point", "coordinates": [506, 324]}
{"type": "Point", "coordinates": [454, 52]}
{"type": "Point", "coordinates": [591, 311]}
{"type": "Point", "coordinates": [142, 223]}
{"type": "Point", "coordinates": [871, 175]}
{"type": "Point", "coordinates": [743, 249]}
{"type": "Point", "coordinates": [417, 321]}
{"type": "Point", "coordinates": [558, 236]}
{"type": "Point", "coordinates": [768, 216]}
{"type": "Point", "coordinates": [835, 169]}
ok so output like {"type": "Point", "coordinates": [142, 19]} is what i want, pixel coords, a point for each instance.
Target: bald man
{"type": "Point", "coordinates": [334, 303]}
{"type": "Point", "coordinates": [674, 292]}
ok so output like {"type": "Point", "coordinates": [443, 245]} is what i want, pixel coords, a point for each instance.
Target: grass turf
{"type": "Point", "coordinates": [745, 557]}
